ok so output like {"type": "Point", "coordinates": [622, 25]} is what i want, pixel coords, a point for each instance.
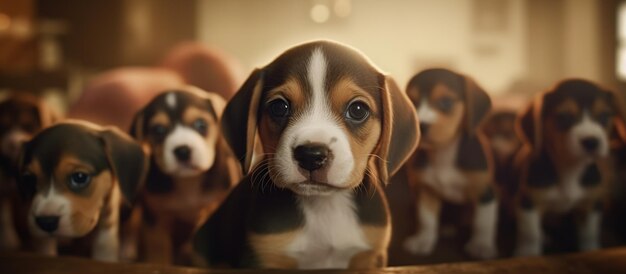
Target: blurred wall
{"type": "Point", "coordinates": [400, 36]}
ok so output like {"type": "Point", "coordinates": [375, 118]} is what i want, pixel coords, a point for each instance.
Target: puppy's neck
{"type": "Point", "coordinates": [444, 154]}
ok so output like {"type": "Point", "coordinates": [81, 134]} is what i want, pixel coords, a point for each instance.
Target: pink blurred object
{"type": "Point", "coordinates": [205, 67]}
{"type": "Point", "coordinates": [113, 98]}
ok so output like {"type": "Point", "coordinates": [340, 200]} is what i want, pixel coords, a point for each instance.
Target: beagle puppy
{"type": "Point", "coordinates": [499, 128]}
{"type": "Point", "coordinates": [565, 163]}
{"type": "Point", "coordinates": [76, 174]}
{"type": "Point", "coordinates": [453, 162]}
{"type": "Point", "coordinates": [21, 116]}
{"type": "Point", "coordinates": [333, 129]}
{"type": "Point", "coordinates": [192, 170]}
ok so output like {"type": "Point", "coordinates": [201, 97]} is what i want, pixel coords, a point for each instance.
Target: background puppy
{"type": "Point", "coordinates": [21, 116]}
{"type": "Point", "coordinates": [452, 162]}
{"type": "Point", "coordinates": [565, 164]}
{"type": "Point", "coordinates": [75, 175]}
{"type": "Point", "coordinates": [499, 129]}
{"type": "Point", "coordinates": [192, 169]}
{"type": "Point", "coordinates": [333, 128]}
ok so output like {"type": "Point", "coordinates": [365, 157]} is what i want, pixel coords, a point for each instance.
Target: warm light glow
{"type": "Point", "coordinates": [343, 8]}
{"type": "Point", "coordinates": [5, 22]}
{"type": "Point", "coordinates": [621, 40]}
{"type": "Point", "coordinates": [320, 13]}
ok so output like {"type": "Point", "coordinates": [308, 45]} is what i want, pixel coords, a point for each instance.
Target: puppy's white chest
{"type": "Point", "coordinates": [442, 175]}
{"type": "Point", "coordinates": [568, 193]}
{"type": "Point", "coordinates": [331, 234]}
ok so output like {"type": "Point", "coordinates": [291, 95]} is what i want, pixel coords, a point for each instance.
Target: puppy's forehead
{"type": "Point", "coordinates": [432, 80]}
{"type": "Point", "coordinates": [580, 93]}
{"type": "Point", "coordinates": [324, 61]}
{"type": "Point", "coordinates": [49, 146]}
{"type": "Point", "coordinates": [174, 104]}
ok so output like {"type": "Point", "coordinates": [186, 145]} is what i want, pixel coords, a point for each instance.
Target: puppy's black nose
{"type": "Point", "coordinates": [590, 143]}
{"type": "Point", "coordinates": [48, 223]}
{"type": "Point", "coordinates": [311, 156]}
{"type": "Point", "coordinates": [182, 153]}
{"type": "Point", "coordinates": [424, 128]}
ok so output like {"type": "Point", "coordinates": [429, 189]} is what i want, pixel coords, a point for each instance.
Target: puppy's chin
{"type": "Point", "coordinates": [309, 188]}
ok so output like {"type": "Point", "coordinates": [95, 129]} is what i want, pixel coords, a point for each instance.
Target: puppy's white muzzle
{"type": "Point", "coordinates": [186, 153]}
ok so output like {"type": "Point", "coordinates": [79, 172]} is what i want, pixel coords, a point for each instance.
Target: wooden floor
{"type": "Point", "coordinates": [605, 261]}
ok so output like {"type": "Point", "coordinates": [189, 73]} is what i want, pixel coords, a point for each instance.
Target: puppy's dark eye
{"type": "Point", "coordinates": [445, 104]}
{"type": "Point", "coordinates": [200, 125]}
{"type": "Point", "coordinates": [79, 180]}
{"type": "Point", "coordinates": [564, 120]}
{"type": "Point", "coordinates": [158, 131]}
{"type": "Point", "coordinates": [278, 108]}
{"type": "Point", "coordinates": [357, 111]}
{"type": "Point", "coordinates": [604, 118]}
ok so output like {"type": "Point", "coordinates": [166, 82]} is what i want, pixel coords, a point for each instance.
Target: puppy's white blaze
{"type": "Point", "coordinates": [589, 232]}
{"type": "Point", "coordinates": [202, 152]}
{"type": "Point", "coordinates": [52, 204]}
{"type": "Point", "coordinates": [331, 233]}
{"type": "Point", "coordinates": [586, 128]}
{"type": "Point", "coordinates": [317, 73]}
{"type": "Point", "coordinates": [426, 113]}
{"type": "Point", "coordinates": [170, 100]}
{"type": "Point", "coordinates": [316, 124]}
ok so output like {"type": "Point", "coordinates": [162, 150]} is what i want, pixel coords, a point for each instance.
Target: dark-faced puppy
{"type": "Point", "coordinates": [452, 162]}
{"type": "Point", "coordinates": [21, 116]}
{"type": "Point", "coordinates": [192, 169]}
{"type": "Point", "coordinates": [565, 163]}
{"type": "Point", "coordinates": [76, 175]}
{"type": "Point", "coordinates": [333, 129]}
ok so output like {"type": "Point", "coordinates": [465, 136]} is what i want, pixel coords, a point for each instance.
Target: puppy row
{"type": "Point", "coordinates": [289, 173]}
{"type": "Point", "coordinates": [318, 132]}
{"type": "Point", "coordinates": [562, 163]}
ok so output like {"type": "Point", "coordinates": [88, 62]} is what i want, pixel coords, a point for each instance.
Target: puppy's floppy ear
{"type": "Point", "coordinates": [529, 125]}
{"type": "Point", "coordinates": [478, 104]}
{"type": "Point", "coordinates": [217, 103]}
{"type": "Point", "coordinates": [239, 120]}
{"type": "Point", "coordinates": [618, 105]}
{"type": "Point", "coordinates": [26, 188]}
{"type": "Point", "coordinates": [399, 134]}
{"type": "Point", "coordinates": [136, 127]}
{"type": "Point", "coordinates": [127, 160]}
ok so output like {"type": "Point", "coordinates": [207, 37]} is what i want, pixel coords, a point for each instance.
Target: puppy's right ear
{"type": "Point", "coordinates": [239, 120]}
{"type": "Point", "coordinates": [26, 185]}
{"type": "Point", "coordinates": [529, 124]}
{"type": "Point", "coordinates": [136, 128]}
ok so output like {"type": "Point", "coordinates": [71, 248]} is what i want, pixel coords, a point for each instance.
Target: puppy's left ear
{"type": "Point", "coordinates": [478, 104]}
{"type": "Point", "coordinates": [619, 126]}
{"type": "Point", "coordinates": [217, 103]}
{"type": "Point", "coordinates": [127, 160]}
{"type": "Point", "coordinates": [400, 132]}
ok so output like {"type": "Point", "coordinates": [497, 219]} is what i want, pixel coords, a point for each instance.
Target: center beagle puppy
{"type": "Point", "coordinates": [453, 162]}
{"type": "Point", "coordinates": [192, 170]}
{"type": "Point", "coordinates": [565, 163]}
{"type": "Point", "coordinates": [76, 176]}
{"type": "Point", "coordinates": [333, 129]}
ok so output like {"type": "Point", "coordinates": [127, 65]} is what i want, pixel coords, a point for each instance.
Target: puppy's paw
{"type": "Point", "coordinates": [481, 249]}
{"type": "Point", "coordinates": [527, 249]}
{"type": "Point", "coordinates": [421, 243]}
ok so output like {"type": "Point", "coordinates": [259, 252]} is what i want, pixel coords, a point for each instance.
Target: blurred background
{"type": "Point", "coordinates": [69, 50]}
{"type": "Point", "coordinates": [509, 46]}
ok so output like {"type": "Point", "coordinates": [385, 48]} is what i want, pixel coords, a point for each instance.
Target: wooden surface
{"type": "Point", "coordinates": [605, 261]}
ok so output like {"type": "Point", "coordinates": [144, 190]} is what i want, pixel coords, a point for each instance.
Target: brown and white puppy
{"type": "Point", "coordinates": [333, 129]}
{"type": "Point", "coordinates": [76, 175]}
{"type": "Point", "coordinates": [565, 164]}
{"type": "Point", "coordinates": [21, 116]}
{"type": "Point", "coordinates": [499, 128]}
{"type": "Point", "coordinates": [192, 170]}
{"type": "Point", "coordinates": [453, 163]}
